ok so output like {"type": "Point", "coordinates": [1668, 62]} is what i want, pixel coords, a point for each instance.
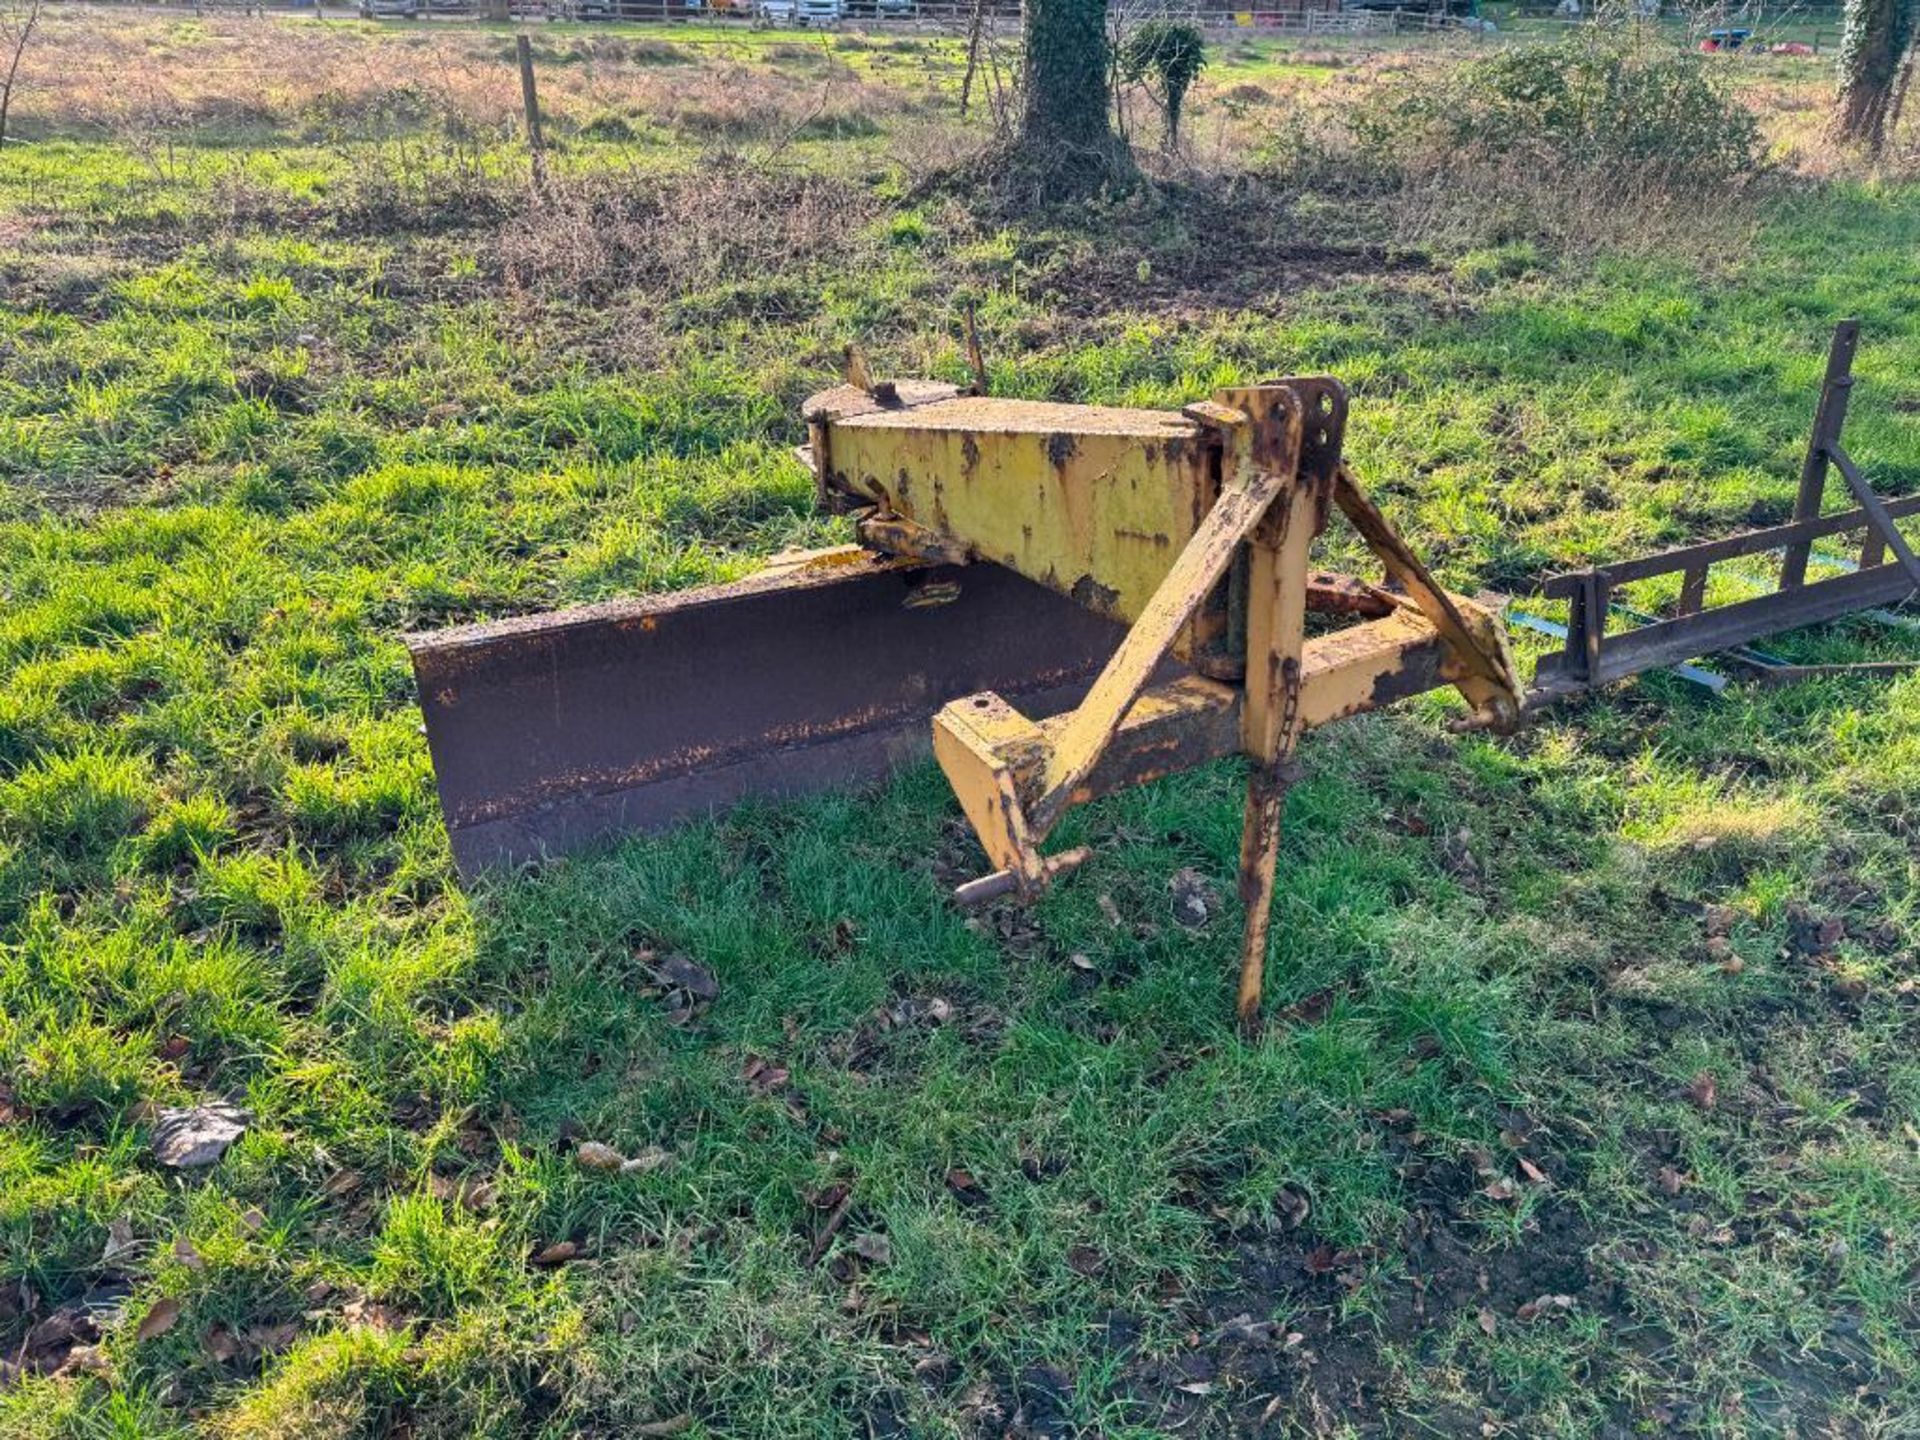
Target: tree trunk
{"type": "Point", "coordinates": [1066, 118]}
{"type": "Point", "coordinates": [1872, 45]}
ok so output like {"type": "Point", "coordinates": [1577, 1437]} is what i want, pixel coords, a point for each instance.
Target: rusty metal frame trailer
{"type": "Point", "coordinates": [1592, 657]}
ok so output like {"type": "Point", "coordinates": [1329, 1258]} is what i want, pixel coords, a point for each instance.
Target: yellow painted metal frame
{"type": "Point", "coordinates": [1141, 515]}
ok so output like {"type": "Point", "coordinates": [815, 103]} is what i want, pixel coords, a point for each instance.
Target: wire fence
{"type": "Point", "coordinates": [1289, 18]}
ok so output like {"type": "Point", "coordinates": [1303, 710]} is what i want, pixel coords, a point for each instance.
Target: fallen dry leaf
{"type": "Point", "coordinates": [187, 1255]}
{"type": "Point", "coordinates": [158, 1320]}
{"type": "Point", "coordinates": [763, 1076]}
{"type": "Point", "coordinates": [1720, 919]}
{"type": "Point", "coordinates": [84, 1360]}
{"type": "Point", "coordinates": [648, 1160]}
{"type": "Point", "coordinates": [558, 1253]}
{"type": "Point", "coordinates": [1532, 1171]}
{"type": "Point", "coordinates": [341, 1183]}
{"type": "Point", "coordinates": [119, 1240]}
{"type": "Point", "coordinates": [1310, 1009]}
{"type": "Point", "coordinates": [874, 1248]}
{"type": "Point", "coordinates": [828, 1197]}
{"type": "Point", "coordinates": [1501, 1189]}
{"type": "Point", "coordinates": [1487, 1320]}
{"type": "Point", "coordinates": [1670, 1180]}
{"type": "Point", "coordinates": [198, 1136]}
{"type": "Point", "coordinates": [1293, 1206]}
{"type": "Point", "coordinates": [933, 1368]}
{"type": "Point", "coordinates": [686, 974]}
{"type": "Point", "coordinates": [219, 1345]}
{"type": "Point", "coordinates": [1246, 1330]}
{"type": "Point", "coordinates": [592, 1155]}
{"type": "Point", "coordinates": [681, 1008]}
{"type": "Point", "coordinates": [253, 1221]}
{"type": "Point", "coordinates": [372, 1314]}
{"type": "Point", "coordinates": [1704, 1090]}
{"type": "Point", "coordinates": [476, 1194]}
{"type": "Point", "coordinates": [71, 1324]}
{"type": "Point", "coordinates": [1544, 1305]}
{"type": "Point", "coordinates": [1192, 897]}
{"type": "Point", "coordinates": [271, 1339]}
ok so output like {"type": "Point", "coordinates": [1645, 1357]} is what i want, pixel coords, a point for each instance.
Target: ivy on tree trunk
{"type": "Point", "coordinates": [1066, 119]}
{"type": "Point", "coordinates": [1872, 43]}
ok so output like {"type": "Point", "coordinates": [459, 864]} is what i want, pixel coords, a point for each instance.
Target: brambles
{"type": "Point", "coordinates": [1653, 116]}
{"type": "Point", "coordinates": [1582, 141]}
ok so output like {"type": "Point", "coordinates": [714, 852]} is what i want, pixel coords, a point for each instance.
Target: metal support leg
{"type": "Point", "coordinates": [1267, 786]}
{"type": "Point", "coordinates": [1827, 421]}
{"type": "Point", "coordinates": [1270, 724]}
{"type": "Point", "coordinates": [1881, 522]}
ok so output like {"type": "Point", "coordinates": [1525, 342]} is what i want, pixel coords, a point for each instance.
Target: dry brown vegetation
{"type": "Point", "coordinates": [682, 233]}
{"type": "Point", "coordinates": [335, 80]}
{"type": "Point", "coordinates": [149, 83]}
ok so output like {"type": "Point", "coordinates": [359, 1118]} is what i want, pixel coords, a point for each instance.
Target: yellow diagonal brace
{"type": "Point", "coordinates": [1491, 680]}
{"type": "Point", "coordinates": [1243, 501]}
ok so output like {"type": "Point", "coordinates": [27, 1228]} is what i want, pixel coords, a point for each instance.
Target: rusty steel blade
{"type": "Point", "coordinates": [554, 731]}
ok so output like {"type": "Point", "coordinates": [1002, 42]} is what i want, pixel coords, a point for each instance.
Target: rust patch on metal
{"type": "Point", "coordinates": [1091, 593]}
{"type": "Point", "coordinates": [1332, 594]}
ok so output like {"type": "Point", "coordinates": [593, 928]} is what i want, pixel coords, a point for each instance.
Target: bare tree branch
{"type": "Point", "coordinates": [17, 19]}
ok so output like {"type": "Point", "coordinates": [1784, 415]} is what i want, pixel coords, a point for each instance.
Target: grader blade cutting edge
{"type": "Point", "coordinates": [550, 732]}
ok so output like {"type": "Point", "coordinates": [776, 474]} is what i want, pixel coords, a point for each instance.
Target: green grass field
{"type": "Point", "coordinates": [1590, 1102]}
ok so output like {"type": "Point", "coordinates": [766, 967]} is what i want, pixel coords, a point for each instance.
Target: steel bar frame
{"type": "Point", "coordinates": [1591, 657]}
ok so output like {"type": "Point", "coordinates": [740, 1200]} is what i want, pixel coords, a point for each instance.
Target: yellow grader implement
{"type": "Point", "coordinates": [1079, 599]}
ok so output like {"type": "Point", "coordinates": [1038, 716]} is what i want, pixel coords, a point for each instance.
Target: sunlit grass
{"type": "Point", "coordinates": [275, 395]}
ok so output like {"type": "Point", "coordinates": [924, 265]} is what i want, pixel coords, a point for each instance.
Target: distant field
{"type": "Point", "coordinates": [1591, 1098]}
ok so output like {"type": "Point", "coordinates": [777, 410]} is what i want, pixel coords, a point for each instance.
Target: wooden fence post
{"type": "Point", "coordinates": [530, 103]}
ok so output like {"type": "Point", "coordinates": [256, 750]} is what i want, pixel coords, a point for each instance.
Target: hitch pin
{"type": "Point", "coordinates": [1005, 882]}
